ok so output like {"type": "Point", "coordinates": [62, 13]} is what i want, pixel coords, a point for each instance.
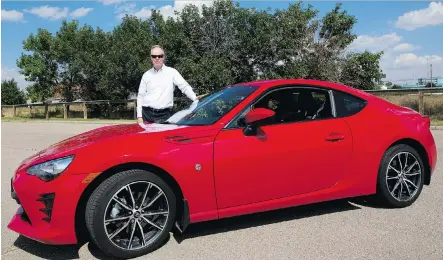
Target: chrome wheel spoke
{"type": "Point", "coordinates": [153, 213]}
{"type": "Point", "coordinates": [132, 196]}
{"type": "Point", "coordinates": [120, 230]}
{"type": "Point", "coordinates": [401, 190]}
{"type": "Point", "coordinates": [392, 168]}
{"type": "Point", "coordinates": [144, 196]}
{"type": "Point", "coordinates": [134, 225]}
{"type": "Point", "coordinates": [142, 233]}
{"type": "Point", "coordinates": [399, 161]}
{"type": "Point", "coordinates": [410, 167]}
{"type": "Point", "coordinates": [121, 203]}
{"type": "Point", "coordinates": [395, 187]}
{"type": "Point", "coordinates": [412, 174]}
{"type": "Point", "coordinates": [152, 223]}
{"type": "Point", "coordinates": [407, 188]}
{"type": "Point", "coordinates": [410, 182]}
{"type": "Point", "coordinates": [116, 219]}
{"type": "Point", "coordinates": [154, 199]}
{"type": "Point", "coordinates": [406, 161]}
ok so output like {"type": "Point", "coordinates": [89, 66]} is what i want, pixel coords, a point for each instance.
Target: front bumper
{"type": "Point", "coordinates": [46, 211]}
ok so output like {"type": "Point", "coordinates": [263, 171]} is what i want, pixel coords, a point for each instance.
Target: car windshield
{"type": "Point", "coordinates": [211, 108]}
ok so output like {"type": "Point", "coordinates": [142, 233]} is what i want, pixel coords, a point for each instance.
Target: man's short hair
{"type": "Point", "coordinates": [157, 46]}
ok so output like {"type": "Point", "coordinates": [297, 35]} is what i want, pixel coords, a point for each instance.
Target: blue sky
{"type": "Point", "coordinates": [409, 32]}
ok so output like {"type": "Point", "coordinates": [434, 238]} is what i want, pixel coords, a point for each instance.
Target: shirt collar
{"type": "Point", "coordinates": [161, 69]}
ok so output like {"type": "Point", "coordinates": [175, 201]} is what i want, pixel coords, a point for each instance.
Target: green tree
{"type": "Point", "coordinates": [38, 93]}
{"type": "Point", "coordinates": [362, 70]}
{"type": "Point", "coordinates": [221, 45]}
{"type": "Point", "coordinates": [127, 58]}
{"type": "Point", "coordinates": [41, 66]}
{"type": "Point", "coordinates": [11, 94]}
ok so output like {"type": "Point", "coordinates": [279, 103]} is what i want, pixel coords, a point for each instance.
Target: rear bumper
{"type": "Point", "coordinates": [434, 158]}
{"type": "Point", "coordinates": [428, 142]}
{"type": "Point", "coordinates": [46, 211]}
{"type": "Point", "coordinates": [431, 149]}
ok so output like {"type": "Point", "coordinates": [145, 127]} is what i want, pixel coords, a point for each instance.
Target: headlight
{"type": "Point", "coordinates": [47, 171]}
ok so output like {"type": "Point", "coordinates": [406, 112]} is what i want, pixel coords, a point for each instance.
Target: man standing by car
{"type": "Point", "coordinates": [156, 91]}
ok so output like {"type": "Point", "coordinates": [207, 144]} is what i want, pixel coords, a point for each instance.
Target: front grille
{"type": "Point", "coordinates": [48, 200]}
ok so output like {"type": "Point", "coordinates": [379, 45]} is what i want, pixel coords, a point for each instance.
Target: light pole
{"type": "Point", "coordinates": [431, 75]}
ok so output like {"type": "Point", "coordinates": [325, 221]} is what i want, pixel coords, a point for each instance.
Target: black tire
{"type": "Point", "coordinates": [383, 194]}
{"type": "Point", "coordinates": [98, 203]}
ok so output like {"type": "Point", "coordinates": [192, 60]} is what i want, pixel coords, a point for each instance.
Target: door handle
{"type": "Point", "coordinates": [333, 137]}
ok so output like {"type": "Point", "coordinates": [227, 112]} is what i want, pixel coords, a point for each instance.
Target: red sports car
{"type": "Point", "coordinates": [248, 148]}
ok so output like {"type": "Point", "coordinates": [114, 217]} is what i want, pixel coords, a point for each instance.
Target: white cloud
{"type": "Point", "coordinates": [48, 12]}
{"type": "Point", "coordinates": [432, 15]}
{"type": "Point", "coordinates": [144, 13]}
{"type": "Point", "coordinates": [166, 10]}
{"type": "Point", "coordinates": [8, 73]}
{"type": "Point", "coordinates": [122, 10]}
{"type": "Point", "coordinates": [398, 62]}
{"type": "Point", "coordinates": [408, 67]}
{"type": "Point", "coordinates": [12, 15]}
{"type": "Point", "coordinates": [406, 60]}
{"type": "Point", "coordinates": [125, 8]}
{"type": "Point", "coordinates": [80, 12]}
{"type": "Point", "coordinates": [375, 43]}
{"type": "Point", "coordinates": [110, 2]}
{"type": "Point", "coordinates": [56, 13]}
{"type": "Point", "coordinates": [405, 47]}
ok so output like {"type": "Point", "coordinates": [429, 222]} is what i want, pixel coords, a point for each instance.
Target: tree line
{"type": "Point", "coordinates": [221, 45]}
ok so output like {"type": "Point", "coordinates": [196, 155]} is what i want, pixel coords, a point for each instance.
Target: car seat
{"type": "Point", "coordinates": [308, 107]}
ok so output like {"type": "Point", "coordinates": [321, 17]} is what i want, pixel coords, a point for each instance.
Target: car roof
{"type": "Point", "coordinates": [270, 83]}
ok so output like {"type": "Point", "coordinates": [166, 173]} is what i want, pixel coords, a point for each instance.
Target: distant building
{"type": "Point", "coordinates": [422, 82]}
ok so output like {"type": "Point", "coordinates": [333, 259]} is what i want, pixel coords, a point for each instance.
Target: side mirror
{"type": "Point", "coordinates": [253, 119]}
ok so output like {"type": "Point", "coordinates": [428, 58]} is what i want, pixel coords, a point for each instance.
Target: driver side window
{"type": "Point", "coordinates": [292, 105]}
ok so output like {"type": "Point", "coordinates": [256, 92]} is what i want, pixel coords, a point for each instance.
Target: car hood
{"type": "Point", "coordinates": [97, 135]}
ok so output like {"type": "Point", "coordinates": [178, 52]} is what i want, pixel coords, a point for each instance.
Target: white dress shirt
{"type": "Point", "coordinates": [156, 88]}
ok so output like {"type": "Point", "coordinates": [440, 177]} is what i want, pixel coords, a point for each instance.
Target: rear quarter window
{"type": "Point", "coordinates": [347, 104]}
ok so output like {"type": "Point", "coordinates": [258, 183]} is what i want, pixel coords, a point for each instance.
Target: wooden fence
{"type": "Point", "coordinates": [106, 108]}
{"type": "Point", "coordinates": [128, 108]}
{"type": "Point", "coordinates": [424, 100]}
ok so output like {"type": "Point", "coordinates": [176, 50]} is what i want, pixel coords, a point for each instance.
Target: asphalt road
{"type": "Point", "coordinates": [345, 229]}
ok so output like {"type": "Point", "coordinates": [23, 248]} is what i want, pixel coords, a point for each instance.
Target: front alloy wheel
{"type": "Point", "coordinates": [136, 215]}
{"type": "Point", "coordinates": [130, 214]}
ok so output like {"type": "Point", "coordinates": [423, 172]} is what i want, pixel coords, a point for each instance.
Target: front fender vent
{"type": "Point", "coordinates": [48, 200]}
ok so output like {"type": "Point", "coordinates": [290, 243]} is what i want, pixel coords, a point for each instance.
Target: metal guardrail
{"type": "Point", "coordinates": [419, 91]}
{"type": "Point", "coordinates": [407, 91]}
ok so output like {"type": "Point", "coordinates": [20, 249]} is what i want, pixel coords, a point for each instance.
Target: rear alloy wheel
{"type": "Point", "coordinates": [401, 176]}
{"type": "Point", "coordinates": [130, 214]}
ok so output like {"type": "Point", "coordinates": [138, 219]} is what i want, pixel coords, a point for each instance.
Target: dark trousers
{"type": "Point", "coordinates": [156, 115]}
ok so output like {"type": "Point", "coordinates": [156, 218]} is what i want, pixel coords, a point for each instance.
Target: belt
{"type": "Point", "coordinates": [158, 109]}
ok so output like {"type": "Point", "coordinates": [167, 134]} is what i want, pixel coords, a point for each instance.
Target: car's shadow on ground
{"type": "Point", "coordinates": [206, 228]}
{"type": "Point", "coordinates": [275, 216]}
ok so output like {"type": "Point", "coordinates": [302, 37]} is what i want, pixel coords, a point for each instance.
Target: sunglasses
{"type": "Point", "coordinates": [156, 56]}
